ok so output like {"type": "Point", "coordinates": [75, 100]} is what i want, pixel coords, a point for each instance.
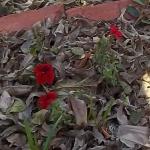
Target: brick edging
{"type": "Point", "coordinates": [25, 20]}
{"type": "Point", "coordinates": [105, 11]}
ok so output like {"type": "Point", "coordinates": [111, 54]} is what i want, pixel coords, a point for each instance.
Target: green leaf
{"type": "Point", "coordinates": [39, 117]}
{"type": "Point", "coordinates": [107, 110]}
{"type": "Point", "coordinates": [18, 106]}
{"type": "Point", "coordinates": [31, 139]}
{"type": "Point", "coordinates": [101, 51]}
{"type": "Point", "coordinates": [141, 2]}
{"type": "Point", "coordinates": [34, 50]}
{"type": "Point", "coordinates": [77, 51]}
{"type": "Point", "coordinates": [133, 11]}
{"type": "Point", "coordinates": [103, 43]}
{"type": "Point", "coordinates": [51, 133]}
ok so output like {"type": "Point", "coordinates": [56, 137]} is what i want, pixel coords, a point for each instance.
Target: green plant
{"type": "Point", "coordinates": [33, 144]}
{"type": "Point", "coordinates": [51, 133]}
{"type": "Point", "coordinates": [56, 111]}
{"type": "Point", "coordinates": [106, 62]}
{"type": "Point", "coordinates": [107, 111]}
{"type": "Point", "coordinates": [58, 116]}
{"type": "Point", "coordinates": [110, 73]}
{"type": "Point", "coordinates": [101, 51]}
{"type": "Point", "coordinates": [37, 41]}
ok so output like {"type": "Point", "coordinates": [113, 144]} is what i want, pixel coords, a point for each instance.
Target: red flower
{"type": "Point", "coordinates": [46, 100]}
{"type": "Point", "coordinates": [44, 73]}
{"type": "Point", "coordinates": [115, 32]}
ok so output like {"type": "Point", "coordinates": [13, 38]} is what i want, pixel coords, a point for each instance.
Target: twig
{"type": "Point", "coordinates": [74, 86]}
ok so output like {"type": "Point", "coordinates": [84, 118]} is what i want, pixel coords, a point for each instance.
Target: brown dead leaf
{"type": "Point", "coordinates": [145, 88]}
{"type": "Point", "coordinates": [80, 110]}
{"type": "Point", "coordinates": [83, 62]}
{"type": "Point", "coordinates": [122, 118]}
{"type": "Point", "coordinates": [105, 133]}
{"type": "Point", "coordinates": [10, 130]}
{"type": "Point", "coordinates": [132, 135]}
{"type": "Point", "coordinates": [128, 77]}
{"type": "Point", "coordinates": [98, 148]}
{"type": "Point", "coordinates": [17, 90]}
{"type": "Point", "coordinates": [17, 139]}
{"type": "Point", "coordinates": [5, 101]}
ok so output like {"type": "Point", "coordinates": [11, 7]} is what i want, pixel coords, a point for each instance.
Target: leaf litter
{"type": "Point", "coordinates": [102, 84]}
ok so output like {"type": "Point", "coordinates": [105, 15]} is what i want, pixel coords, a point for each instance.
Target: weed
{"type": "Point", "coordinates": [37, 43]}
{"type": "Point", "coordinates": [105, 113]}
{"type": "Point", "coordinates": [106, 62]}
{"type": "Point", "coordinates": [57, 116]}
{"type": "Point", "coordinates": [32, 141]}
{"type": "Point", "coordinates": [51, 133]}
{"type": "Point", "coordinates": [56, 111]}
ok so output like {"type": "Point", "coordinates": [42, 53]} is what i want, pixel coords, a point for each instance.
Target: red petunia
{"type": "Point", "coordinates": [114, 30]}
{"type": "Point", "coordinates": [46, 100]}
{"type": "Point", "coordinates": [44, 73]}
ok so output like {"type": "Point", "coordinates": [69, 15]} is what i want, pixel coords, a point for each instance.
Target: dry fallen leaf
{"type": "Point", "coordinates": [98, 148]}
{"type": "Point", "coordinates": [132, 135]}
{"type": "Point", "coordinates": [10, 130]}
{"type": "Point", "coordinates": [80, 110]}
{"type": "Point", "coordinates": [128, 77]}
{"type": "Point", "coordinates": [122, 118]}
{"type": "Point", "coordinates": [17, 139]}
{"type": "Point", "coordinates": [18, 89]}
{"type": "Point", "coordinates": [5, 101]}
{"type": "Point", "coordinates": [145, 88]}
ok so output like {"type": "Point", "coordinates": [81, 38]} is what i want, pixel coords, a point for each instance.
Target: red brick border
{"type": "Point", "coordinates": [106, 11]}
{"type": "Point", "coordinates": [25, 20]}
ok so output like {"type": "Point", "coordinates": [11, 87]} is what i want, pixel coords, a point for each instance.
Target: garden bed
{"type": "Point", "coordinates": [77, 84]}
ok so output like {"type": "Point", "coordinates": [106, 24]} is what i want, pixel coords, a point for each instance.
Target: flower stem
{"type": "Point", "coordinates": [45, 88]}
{"type": "Point", "coordinates": [51, 133]}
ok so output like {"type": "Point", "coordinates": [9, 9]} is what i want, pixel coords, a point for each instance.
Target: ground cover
{"type": "Point", "coordinates": [77, 84]}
